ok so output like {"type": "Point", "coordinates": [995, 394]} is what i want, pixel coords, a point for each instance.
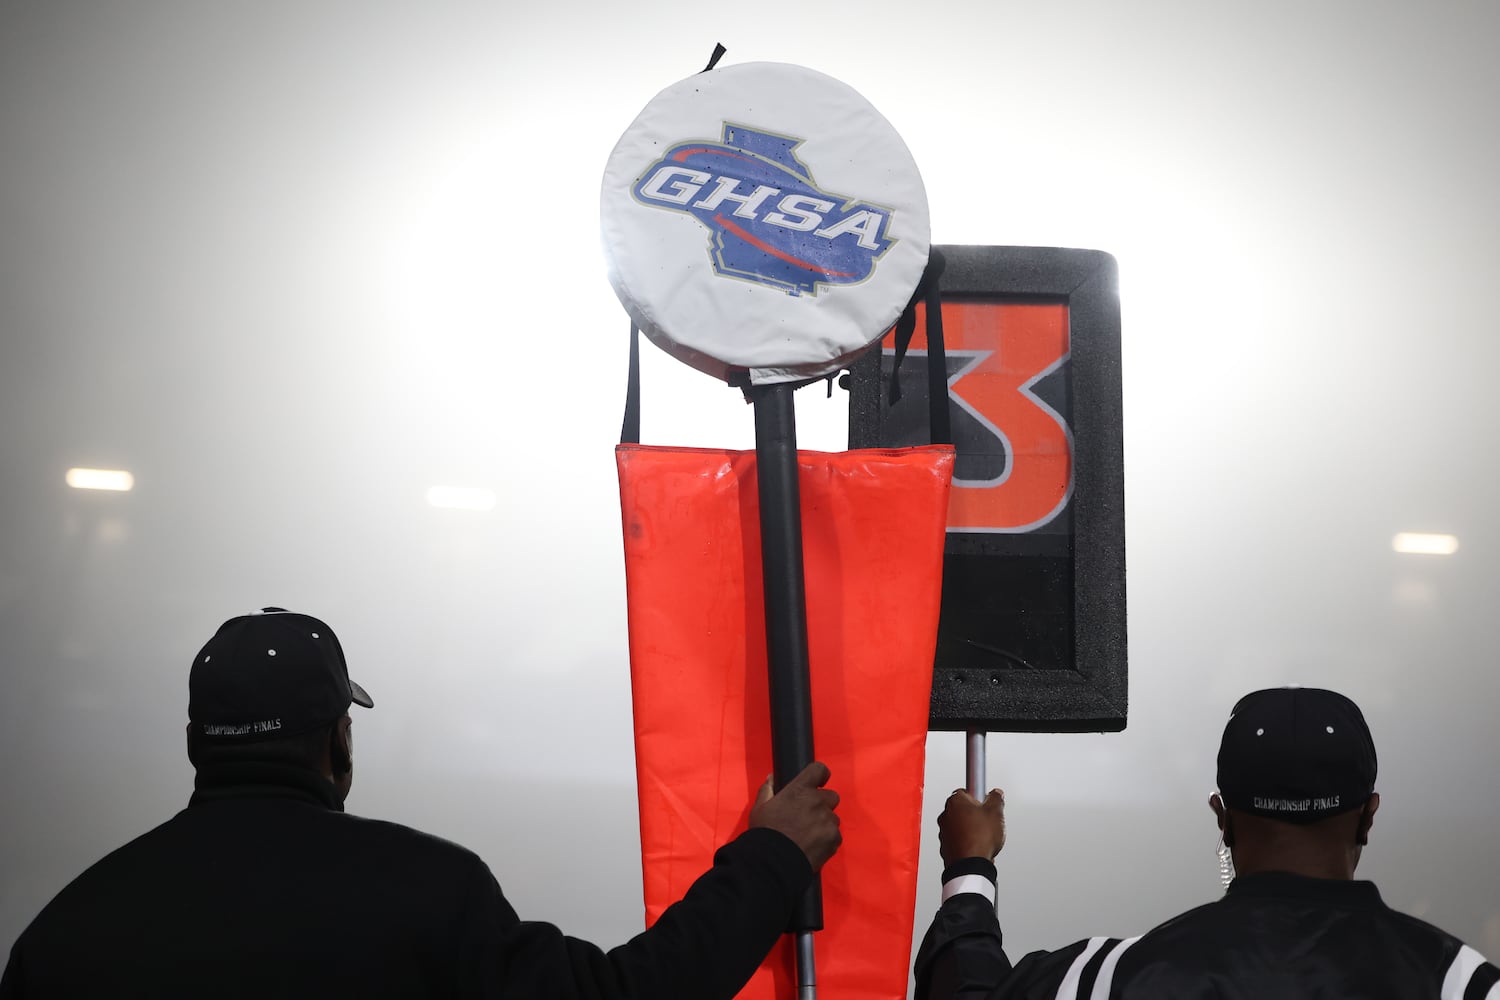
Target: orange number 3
{"type": "Point", "coordinates": [1003, 351]}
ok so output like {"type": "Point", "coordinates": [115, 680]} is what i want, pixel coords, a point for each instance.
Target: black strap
{"type": "Point", "coordinates": [630, 427]}
{"type": "Point", "coordinates": [940, 427]}
{"type": "Point", "coordinates": [905, 327]}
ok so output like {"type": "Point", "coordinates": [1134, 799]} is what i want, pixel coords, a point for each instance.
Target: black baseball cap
{"type": "Point", "coordinates": [1296, 754]}
{"type": "Point", "coordinates": [270, 673]}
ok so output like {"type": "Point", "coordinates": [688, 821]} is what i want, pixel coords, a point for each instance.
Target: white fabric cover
{"type": "Point", "coordinates": [763, 219]}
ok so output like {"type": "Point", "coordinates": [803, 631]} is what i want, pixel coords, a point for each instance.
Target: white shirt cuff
{"type": "Point", "coordinates": [969, 883]}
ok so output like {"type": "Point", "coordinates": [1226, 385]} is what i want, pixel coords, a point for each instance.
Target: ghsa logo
{"type": "Point", "coordinates": [769, 222]}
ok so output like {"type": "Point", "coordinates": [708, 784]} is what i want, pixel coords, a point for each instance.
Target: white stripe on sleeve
{"type": "Point", "coordinates": [1107, 970]}
{"type": "Point", "coordinates": [1068, 990]}
{"type": "Point", "coordinates": [1459, 972]}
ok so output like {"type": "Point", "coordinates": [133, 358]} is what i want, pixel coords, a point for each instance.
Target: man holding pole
{"type": "Point", "coordinates": [1296, 802]}
{"type": "Point", "coordinates": [263, 886]}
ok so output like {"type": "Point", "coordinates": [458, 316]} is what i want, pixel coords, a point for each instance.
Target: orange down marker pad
{"type": "Point", "coordinates": [872, 528]}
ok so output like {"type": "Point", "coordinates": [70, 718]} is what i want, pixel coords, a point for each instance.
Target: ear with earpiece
{"type": "Point", "coordinates": [1221, 812]}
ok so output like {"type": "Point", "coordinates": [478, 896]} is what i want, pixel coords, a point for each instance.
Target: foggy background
{"type": "Point", "coordinates": [293, 264]}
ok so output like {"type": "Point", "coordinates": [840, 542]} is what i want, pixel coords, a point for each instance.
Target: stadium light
{"type": "Point", "coordinates": [1425, 544]}
{"type": "Point", "coordinates": [117, 480]}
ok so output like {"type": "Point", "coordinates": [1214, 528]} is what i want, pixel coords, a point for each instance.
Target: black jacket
{"type": "Point", "coordinates": [263, 888]}
{"type": "Point", "coordinates": [1273, 935]}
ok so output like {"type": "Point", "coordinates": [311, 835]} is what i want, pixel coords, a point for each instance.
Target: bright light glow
{"type": "Point", "coordinates": [461, 497]}
{"type": "Point", "coordinates": [1427, 545]}
{"type": "Point", "coordinates": [100, 479]}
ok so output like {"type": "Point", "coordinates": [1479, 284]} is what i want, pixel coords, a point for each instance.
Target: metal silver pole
{"type": "Point", "coordinates": [974, 764]}
{"type": "Point", "coordinates": [807, 979]}
{"type": "Point", "coordinates": [974, 777]}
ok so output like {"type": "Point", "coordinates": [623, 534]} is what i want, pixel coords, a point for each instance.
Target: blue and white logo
{"type": "Point", "coordinates": [768, 221]}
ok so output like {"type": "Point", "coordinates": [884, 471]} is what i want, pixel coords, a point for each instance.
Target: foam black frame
{"type": "Point", "coordinates": [1091, 693]}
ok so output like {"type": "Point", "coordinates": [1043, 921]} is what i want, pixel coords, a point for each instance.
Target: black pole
{"type": "Point", "coordinates": [786, 602]}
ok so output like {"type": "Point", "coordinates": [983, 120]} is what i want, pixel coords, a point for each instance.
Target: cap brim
{"type": "Point", "coordinates": [361, 696]}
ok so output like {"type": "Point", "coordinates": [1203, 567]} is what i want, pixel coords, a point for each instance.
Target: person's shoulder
{"type": "Point", "coordinates": [1190, 919]}
{"type": "Point", "coordinates": [1407, 926]}
{"type": "Point", "coordinates": [409, 842]}
{"type": "Point", "coordinates": [1464, 971]}
{"type": "Point", "coordinates": [399, 833]}
{"type": "Point", "coordinates": [1416, 927]}
{"type": "Point", "coordinates": [126, 858]}
{"type": "Point", "coordinates": [111, 876]}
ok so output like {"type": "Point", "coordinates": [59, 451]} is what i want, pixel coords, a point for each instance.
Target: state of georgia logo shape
{"type": "Point", "coordinates": [768, 221]}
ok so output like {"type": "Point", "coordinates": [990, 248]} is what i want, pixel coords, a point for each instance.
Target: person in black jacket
{"type": "Point", "coordinates": [1296, 802]}
{"type": "Point", "coordinates": [264, 887]}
